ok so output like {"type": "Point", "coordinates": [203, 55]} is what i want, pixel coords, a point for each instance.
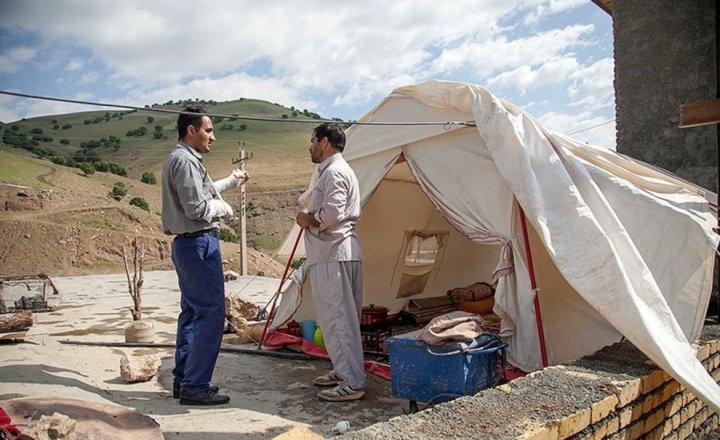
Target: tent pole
{"type": "Point", "coordinates": [271, 315]}
{"type": "Point", "coordinates": [533, 284]}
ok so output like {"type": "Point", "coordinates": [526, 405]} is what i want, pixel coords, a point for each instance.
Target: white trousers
{"type": "Point", "coordinates": [337, 299]}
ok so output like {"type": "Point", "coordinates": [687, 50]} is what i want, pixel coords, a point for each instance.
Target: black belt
{"type": "Point", "coordinates": [204, 232]}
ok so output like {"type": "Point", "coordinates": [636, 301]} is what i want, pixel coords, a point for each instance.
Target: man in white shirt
{"type": "Point", "coordinates": [334, 263]}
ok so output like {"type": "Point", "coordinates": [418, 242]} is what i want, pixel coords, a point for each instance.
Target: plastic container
{"type": "Point", "coordinates": [308, 330]}
{"type": "Point", "coordinates": [419, 372]}
{"type": "Point", "coordinates": [318, 338]}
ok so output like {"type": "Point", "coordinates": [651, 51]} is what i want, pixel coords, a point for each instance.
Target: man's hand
{"type": "Point", "coordinates": [305, 220]}
{"type": "Point", "coordinates": [219, 208]}
{"type": "Point", "coordinates": [240, 175]}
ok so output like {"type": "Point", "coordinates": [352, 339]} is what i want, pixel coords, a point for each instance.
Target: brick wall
{"type": "Point", "coordinates": [616, 393]}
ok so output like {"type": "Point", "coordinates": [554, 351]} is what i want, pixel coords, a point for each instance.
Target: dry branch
{"type": "Point", "coordinates": [135, 285]}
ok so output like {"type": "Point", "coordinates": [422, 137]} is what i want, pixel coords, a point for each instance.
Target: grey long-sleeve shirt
{"type": "Point", "coordinates": [335, 203]}
{"type": "Point", "coordinates": [187, 190]}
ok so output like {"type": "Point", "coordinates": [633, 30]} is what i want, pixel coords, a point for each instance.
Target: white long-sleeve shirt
{"type": "Point", "coordinates": [335, 203]}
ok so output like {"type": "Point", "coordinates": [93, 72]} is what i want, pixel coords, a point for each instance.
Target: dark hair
{"type": "Point", "coordinates": [192, 115]}
{"type": "Point", "coordinates": [334, 134]}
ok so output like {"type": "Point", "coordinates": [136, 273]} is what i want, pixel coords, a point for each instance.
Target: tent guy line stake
{"type": "Point", "coordinates": [277, 294]}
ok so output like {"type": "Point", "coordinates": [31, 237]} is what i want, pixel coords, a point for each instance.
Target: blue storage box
{"type": "Point", "coordinates": [433, 374]}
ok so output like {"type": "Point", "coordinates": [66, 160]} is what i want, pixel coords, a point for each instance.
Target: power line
{"type": "Point", "coordinates": [447, 124]}
{"type": "Point", "coordinates": [591, 127]}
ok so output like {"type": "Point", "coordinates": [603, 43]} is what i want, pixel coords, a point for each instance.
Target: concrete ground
{"type": "Point", "coordinates": [269, 395]}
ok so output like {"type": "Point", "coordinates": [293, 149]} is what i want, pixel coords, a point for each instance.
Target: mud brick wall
{"type": "Point", "coordinates": [616, 393]}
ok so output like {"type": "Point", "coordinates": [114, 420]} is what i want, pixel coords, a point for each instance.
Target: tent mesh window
{"type": "Point", "coordinates": [421, 250]}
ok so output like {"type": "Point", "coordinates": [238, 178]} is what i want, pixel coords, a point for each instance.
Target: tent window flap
{"type": "Point", "coordinates": [419, 257]}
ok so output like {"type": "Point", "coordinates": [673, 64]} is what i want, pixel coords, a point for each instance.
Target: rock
{"type": "Point", "coordinates": [236, 307]}
{"type": "Point", "coordinates": [58, 426]}
{"type": "Point", "coordinates": [139, 368]}
{"type": "Point", "coordinates": [299, 433]}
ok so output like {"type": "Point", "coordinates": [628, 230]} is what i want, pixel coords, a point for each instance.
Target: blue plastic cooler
{"type": "Point", "coordinates": [433, 374]}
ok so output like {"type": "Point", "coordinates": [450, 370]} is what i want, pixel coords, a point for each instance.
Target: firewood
{"type": "Point", "coordinates": [17, 322]}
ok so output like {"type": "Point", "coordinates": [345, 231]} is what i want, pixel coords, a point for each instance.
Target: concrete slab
{"type": "Point", "coordinates": [269, 395]}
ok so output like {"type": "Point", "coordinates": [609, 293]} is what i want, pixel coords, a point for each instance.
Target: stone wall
{"type": "Point", "coordinates": [665, 57]}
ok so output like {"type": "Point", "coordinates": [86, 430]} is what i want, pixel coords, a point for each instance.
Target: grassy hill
{"type": "Point", "coordinates": [37, 194]}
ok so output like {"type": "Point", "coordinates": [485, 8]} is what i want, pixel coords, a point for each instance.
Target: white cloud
{"type": "Point", "coordinates": [500, 54]}
{"type": "Point", "coordinates": [592, 85]}
{"type": "Point", "coordinates": [309, 54]}
{"type": "Point", "coordinates": [89, 77]}
{"type": "Point", "coordinates": [523, 78]}
{"type": "Point", "coordinates": [74, 65]}
{"type": "Point", "coordinates": [553, 7]}
{"type": "Point", "coordinates": [13, 59]}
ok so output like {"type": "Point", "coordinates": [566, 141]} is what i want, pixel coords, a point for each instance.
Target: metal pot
{"type": "Point", "coordinates": [374, 316]}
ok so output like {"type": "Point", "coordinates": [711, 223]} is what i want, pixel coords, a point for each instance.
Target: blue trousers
{"type": "Point", "coordinates": [202, 310]}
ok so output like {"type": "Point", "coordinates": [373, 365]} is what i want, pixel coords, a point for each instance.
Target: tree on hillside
{"type": "Point", "coordinates": [150, 119]}
{"type": "Point", "coordinates": [117, 169]}
{"type": "Point", "coordinates": [86, 168]}
{"type": "Point", "coordinates": [148, 177]}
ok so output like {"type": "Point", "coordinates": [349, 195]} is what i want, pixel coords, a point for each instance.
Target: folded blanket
{"type": "Point", "coordinates": [454, 326]}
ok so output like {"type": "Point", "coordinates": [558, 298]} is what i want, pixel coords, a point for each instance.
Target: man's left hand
{"type": "Point", "coordinates": [305, 220]}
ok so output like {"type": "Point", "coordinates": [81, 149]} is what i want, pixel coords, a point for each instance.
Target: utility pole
{"type": "Point", "coordinates": [242, 157]}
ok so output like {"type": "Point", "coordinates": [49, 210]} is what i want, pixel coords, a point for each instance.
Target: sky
{"type": "Point", "coordinates": [336, 58]}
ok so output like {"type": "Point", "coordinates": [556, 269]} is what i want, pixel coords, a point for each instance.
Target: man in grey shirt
{"type": "Point", "coordinates": [334, 263]}
{"type": "Point", "coordinates": [191, 210]}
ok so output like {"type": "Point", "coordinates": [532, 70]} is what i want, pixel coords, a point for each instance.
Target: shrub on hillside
{"type": "Point", "coordinates": [148, 177]}
{"type": "Point", "coordinates": [101, 166]}
{"type": "Point", "coordinates": [117, 169]}
{"type": "Point", "coordinates": [227, 235]}
{"type": "Point", "coordinates": [140, 203]}
{"type": "Point", "coordinates": [119, 190]}
{"type": "Point", "coordinates": [86, 168]}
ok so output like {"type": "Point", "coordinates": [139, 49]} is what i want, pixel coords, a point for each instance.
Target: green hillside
{"type": "Point", "coordinates": [133, 142]}
{"type": "Point", "coordinates": [138, 140]}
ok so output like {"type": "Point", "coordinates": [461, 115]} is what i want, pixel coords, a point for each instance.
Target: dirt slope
{"type": "Point", "coordinates": [69, 225]}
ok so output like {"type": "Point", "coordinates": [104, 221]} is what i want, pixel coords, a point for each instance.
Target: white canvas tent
{"type": "Point", "coordinates": [617, 248]}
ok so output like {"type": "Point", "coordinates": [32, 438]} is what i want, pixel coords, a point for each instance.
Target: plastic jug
{"type": "Point", "coordinates": [318, 338]}
{"type": "Point", "coordinates": [308, 330]}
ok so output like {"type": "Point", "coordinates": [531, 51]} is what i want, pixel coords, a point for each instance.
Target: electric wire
{"type": "Point", "coordinates": [446, 124]}
{"type": "Point", "coordinates": [591, 127]}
